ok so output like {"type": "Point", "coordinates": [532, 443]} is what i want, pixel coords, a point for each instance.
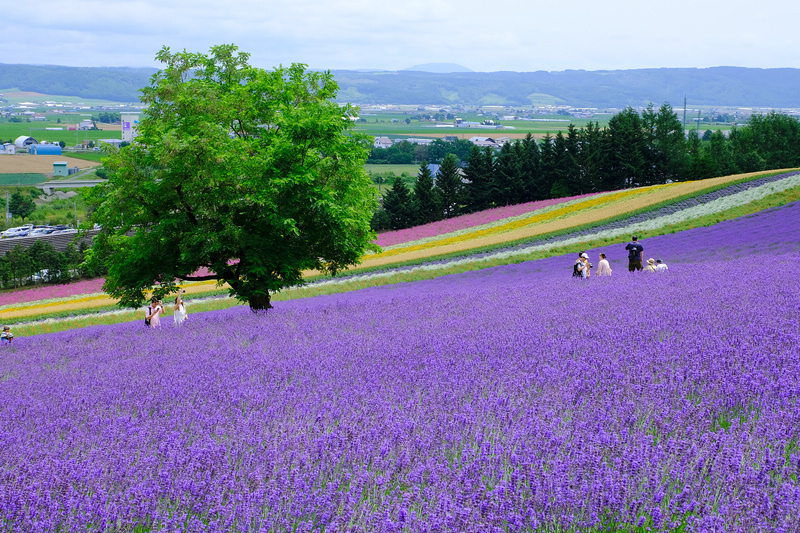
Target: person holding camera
{"type": "Point", "coordinates": [180, 310]}
{"type": "Point", "coordinates": [585, 266]}
{"type": "Point", "coordinates": [152, 315]}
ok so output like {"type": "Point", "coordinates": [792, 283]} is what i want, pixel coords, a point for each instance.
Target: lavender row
{"type": "Point", "coordinates": [622, 223]}
{"type": "Point", "coordinates": [505, 399]}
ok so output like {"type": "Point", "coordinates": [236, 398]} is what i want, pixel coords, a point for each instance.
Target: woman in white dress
{"type": "Point", "coordinates": [180, 311]}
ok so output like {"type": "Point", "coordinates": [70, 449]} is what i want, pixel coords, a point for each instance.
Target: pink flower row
{"type": "Point", "coordinates": [52, 291]}
{"type": "Point", "coordinates": [384, 239]}
{"type": "Point", "coordinates": [441, 227]}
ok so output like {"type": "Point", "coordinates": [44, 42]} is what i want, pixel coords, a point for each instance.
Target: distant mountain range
{"type": "Point", "coordinates": [717, 86]}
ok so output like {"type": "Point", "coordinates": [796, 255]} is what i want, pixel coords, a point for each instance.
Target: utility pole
{"type": "Point", "coordinates": [684, 114]}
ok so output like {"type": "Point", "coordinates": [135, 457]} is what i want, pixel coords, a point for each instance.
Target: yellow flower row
{"type": "Point", "coordinates": [87, 302]}
{"type": "Point", "coordinates": [536, 218]}
{"type": "Point", "coordinates": [575, 216]}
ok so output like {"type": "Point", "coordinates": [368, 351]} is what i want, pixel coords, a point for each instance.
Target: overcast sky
{"type": "Point", "coordinates": [482, 35]}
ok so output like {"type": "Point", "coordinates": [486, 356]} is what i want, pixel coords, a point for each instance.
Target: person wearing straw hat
{"type": "Point", "coordinates": [651, 266]}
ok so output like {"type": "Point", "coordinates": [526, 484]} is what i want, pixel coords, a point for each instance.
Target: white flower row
{"type": "Point", "coordinates": [496, 223]}
{"type": "Point", "coordinates": [714, 206]}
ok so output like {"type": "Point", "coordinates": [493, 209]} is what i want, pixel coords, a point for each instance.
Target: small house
{"type": "Point", "coordinates": [60, 168]}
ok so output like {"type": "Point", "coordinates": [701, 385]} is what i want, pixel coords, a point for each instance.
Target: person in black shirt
{"type": "Point", "coordinates": [635, 254]}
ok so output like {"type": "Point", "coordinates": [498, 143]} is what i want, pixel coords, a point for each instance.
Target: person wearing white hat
{"type": "Point", "coordinates": [587, 266]}
{"type": "Point", "coordinates": [651, 266]}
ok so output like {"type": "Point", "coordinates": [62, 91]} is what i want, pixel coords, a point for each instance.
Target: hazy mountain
{"type": "Point", "coordinates": [720, 86]}
{"type": "Point", "coordinates": [439, 68]}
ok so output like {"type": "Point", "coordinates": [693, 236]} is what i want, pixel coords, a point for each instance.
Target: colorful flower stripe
{"type": "Point", "coordinates": [520, 218]}
{"type": "Point", "coordinates": [441, 227]}
{"type": "Point", "coordinates": [657, 194]}
{"type": "Point", "coordinates": [33, 309]}
{"type": "Point", "coordinates": [715, 206]}
{"type": "Point", "coordinates": [536, 218]}
{"type": "Point", "coordinates": [48, 292]}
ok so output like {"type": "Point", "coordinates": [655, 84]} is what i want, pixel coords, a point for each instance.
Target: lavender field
{"type": "Point", "coordinates": [508, 399]}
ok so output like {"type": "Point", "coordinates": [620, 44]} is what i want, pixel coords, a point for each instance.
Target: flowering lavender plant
{"type": "Point", "coordinates": [508, 399]}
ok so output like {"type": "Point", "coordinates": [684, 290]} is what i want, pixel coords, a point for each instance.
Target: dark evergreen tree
{"type": "Point", "coordinates": [593, 157]}
{"type": "Point", "coordinates": [562, 166]}
{"type": "Point", "coordinates": [509, 185]}
{"type": "Point", "coordinates": [719, 152]}
{"type": "Point", "coordinates": [530, 160]}
{"type": "Point", "coordinates": [450, 186]}
{"type": "Point", "coordinates": [627, 146]}
{"type": "Point", "coordinates": [479, 176]}
{"type": "Point", "coordinates": [399, 205]}
{"type": "Point", "coordinates": [427, 207]}
{"type": "Point", "coordinates": [572, 173]}
{"type": "Point", "coordinates": [670, 146]}
{"type": "Point", "coordinates": [548, 174]}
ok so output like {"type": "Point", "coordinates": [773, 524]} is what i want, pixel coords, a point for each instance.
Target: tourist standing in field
{"type": "Point", "coordinates": [6, 336]}
{"type": "Point", "coordinates": [635, 254]}
{"type": "Point", "coordinates": [153, 314]}
{"type": "Point", "coordinates": [661, 266]}
{"type": "Point", "coordinates": [603, 268]}
{"type": "Point", "coordinates": [180, 311]}
{"type": "Point", "coordinates": [651, 265]}
{"type": "Point", "coordinates": [584, 266]}
{"type": "Point", "coordinates": [577, 266]}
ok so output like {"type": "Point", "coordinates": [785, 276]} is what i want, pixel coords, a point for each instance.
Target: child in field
{"type": "Point", "coordinates": [6, 335]}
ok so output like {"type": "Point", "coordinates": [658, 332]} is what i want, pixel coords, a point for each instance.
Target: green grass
{"type": "Point", "coordinates": [411, 170]}
{"type": "Point", "coordinates": [9, 131]}
{"type": "Point", "coordinates": [21, 179]}
{"type": "Point", "coordinates": [58, 98]}
{"type": "Point", "coordinates": [87, 155]}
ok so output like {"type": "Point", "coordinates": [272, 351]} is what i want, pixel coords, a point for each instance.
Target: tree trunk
{"type": "Point", "coordinates": [259, 302]}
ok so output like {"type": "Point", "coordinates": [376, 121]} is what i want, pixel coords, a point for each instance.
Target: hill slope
{"type": "Point", "coordinates": [724, 86]}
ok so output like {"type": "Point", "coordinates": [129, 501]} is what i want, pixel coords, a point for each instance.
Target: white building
{"type": "Point", "coordinates": [130, 124]}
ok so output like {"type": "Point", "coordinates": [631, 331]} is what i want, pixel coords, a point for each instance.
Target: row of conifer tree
{"type": "Point", "coordinates": [634, 150]}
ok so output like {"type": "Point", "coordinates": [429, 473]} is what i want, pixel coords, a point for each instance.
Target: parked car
{"type": "Point", "coordinates": [19, 231]}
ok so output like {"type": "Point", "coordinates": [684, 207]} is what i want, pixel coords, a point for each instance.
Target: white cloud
{"type": "Point", "coordinates": [487, 36]}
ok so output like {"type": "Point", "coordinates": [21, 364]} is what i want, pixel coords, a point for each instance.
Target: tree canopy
{"type": "Point", "coordinates": [238, 174]}
{"type": "Point", "coordinates": [21, 205]}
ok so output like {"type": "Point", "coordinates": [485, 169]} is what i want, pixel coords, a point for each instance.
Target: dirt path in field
{"type": "Point", "coordinates": [39, 164]}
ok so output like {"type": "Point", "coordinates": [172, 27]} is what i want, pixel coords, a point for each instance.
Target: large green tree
{"type": "Point", "coordinates": [238, 174]}
{"type": "Point", "coordinates": [21, 205]}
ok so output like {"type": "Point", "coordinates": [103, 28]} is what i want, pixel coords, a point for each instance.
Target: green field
{"type": "Point", "coordinates": [21, 179]}
{"type": "Point", "coordinates": [9, 131]}
{"type": "Point", "coordinates": [65, 100]}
